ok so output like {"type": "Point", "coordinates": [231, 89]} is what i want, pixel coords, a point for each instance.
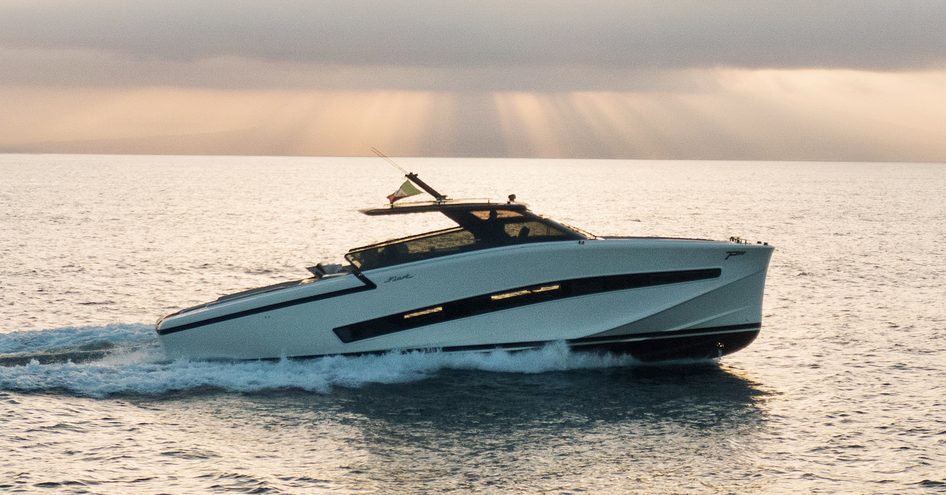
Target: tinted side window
{"type": "Point", "coordinates": [421, 248]}
{"type": "Point", "coordinates": [444, 243]}
{"type": "Point", "coordinates": [533, 231]}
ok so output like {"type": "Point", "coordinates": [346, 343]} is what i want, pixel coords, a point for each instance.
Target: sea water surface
{"type": "Point", "coordinates": [843, 392]}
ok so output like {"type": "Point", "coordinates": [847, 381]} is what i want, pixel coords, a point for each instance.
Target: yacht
{"type": "Point", "coordinates": [502, 278]}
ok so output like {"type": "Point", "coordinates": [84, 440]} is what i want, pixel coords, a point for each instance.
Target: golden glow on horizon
{"type": "Point", "coordinates": [771, 114]}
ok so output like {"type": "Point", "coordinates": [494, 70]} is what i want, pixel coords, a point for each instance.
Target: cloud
{"type": "Point", "coordinates": [734, 79]}
{"type": "Point", "coordinates": [615, 36]}
{"type": "Point", "coordinates": [84, 68]}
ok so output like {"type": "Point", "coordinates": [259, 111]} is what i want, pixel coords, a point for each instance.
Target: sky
{"type": "Point", "coordinates": [842, 80]}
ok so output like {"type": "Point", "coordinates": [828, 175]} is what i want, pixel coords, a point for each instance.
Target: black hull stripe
{"type": "Point", "coordinates": [614, 338]}
{"type": "Point", "coordinates": [706, 346]}
{"type": "Point", "coordinates": [368, 285]}
{"type": "Point", "coordinates": [513, 298]}
{"type": "Point", "coordinates": [662, 343]}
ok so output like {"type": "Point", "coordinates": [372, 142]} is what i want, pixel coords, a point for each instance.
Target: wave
{"type": "Point", "coordinates": [124, 359]}
{"type": "Point", "coordinates": [72, 343]}
{"type": "Point", "coordinates": [84, 338]}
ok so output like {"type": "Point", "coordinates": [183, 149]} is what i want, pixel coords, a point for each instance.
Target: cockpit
{"type": "Point", "coordinates": [479, 226]}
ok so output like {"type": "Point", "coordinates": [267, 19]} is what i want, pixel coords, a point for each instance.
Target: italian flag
{"type": "Point", "coordinates": [406, 189]}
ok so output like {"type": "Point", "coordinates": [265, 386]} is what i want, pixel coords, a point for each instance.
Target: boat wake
{"type": "Point", "coordinates": [77, 344]}
{"type": "Point", "coordinates": [127, 360]}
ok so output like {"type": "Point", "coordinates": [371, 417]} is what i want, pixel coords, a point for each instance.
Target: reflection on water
{"type": "Point", "coordinates": [555, 431]}
{"type": "Point", "coordinates": [474, 430]}
{"type": "Point", "coordinates": [459, 401]}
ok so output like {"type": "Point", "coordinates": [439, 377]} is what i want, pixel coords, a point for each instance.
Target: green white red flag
{"type": "Point", "coordinates": [406, 189]}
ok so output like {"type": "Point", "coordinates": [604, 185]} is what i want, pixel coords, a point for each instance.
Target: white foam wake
{"type": "Point", "coordinates": [84, 338]}
{"type": "Point", "coordinates": [146, 370]}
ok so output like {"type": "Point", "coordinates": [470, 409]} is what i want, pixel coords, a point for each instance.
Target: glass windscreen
{"type": "Point", "coordinates": [480, 230]}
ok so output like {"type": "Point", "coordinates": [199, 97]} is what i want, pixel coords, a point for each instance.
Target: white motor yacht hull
{"type": "Point", "coordinates": [650, 297]}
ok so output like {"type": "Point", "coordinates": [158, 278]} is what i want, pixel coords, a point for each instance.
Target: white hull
{"type": "Point", "coordinates": [655, 298]}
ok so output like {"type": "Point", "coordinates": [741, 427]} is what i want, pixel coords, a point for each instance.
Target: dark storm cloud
{"type": "Point", "coordinates": [623, 35]}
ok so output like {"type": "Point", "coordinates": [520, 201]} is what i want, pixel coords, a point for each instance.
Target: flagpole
{"type": "Point", "coordinates": [412, 177]}
{"type": "Point", "coordinates": [423, 185]}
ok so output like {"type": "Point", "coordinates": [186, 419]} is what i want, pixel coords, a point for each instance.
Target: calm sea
{"type": "Point", "coordinates": [843, 392]}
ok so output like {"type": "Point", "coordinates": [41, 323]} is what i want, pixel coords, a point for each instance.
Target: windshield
{"type": "Point", "coordinates": [478, 230]}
